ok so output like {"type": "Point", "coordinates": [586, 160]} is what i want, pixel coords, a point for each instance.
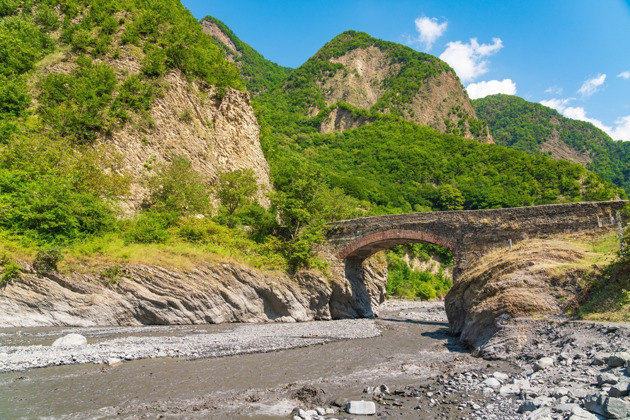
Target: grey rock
{"type": "Point", "coordinates": [526, 407]}
{"type": "Point", "coordinates": [618, 359]}
{"type": "Point", "coordinates": [510, 389]}
{"type": "Point", "coordinates": [595, 403]}
{"type": "Point", "coordinates": [492, 382]}
{"type": "Point", "coordinates": [70, 340]}
{"type": "Point", "coordinates": [542, 401]}
{"type": "Point", "coordinates": [320, 411]}
{"type": "Point", "coordinates": [543, 363]}
{"type": "Point", "coordinates": [565, 407]}
{"type": "Point", "coordinates": [543, 413]}
{"type": "Point", "coordinates": [612, 408]}
{"type": "Point", "coordinates": [340, 402]}
{"type": "Point", "coordinates": [607, 378]}
{"type": "Point", "coordinates": [113, 361]}
{"type": "Point", "coordinates": [501, 377]}
{"type": "Point", "coordinates": [311, 414]}
{"type": "Point", "coordinates": [578, 413]}
{"type": "Point", "coordinates": [620, 389]}
{"type": "Point", "coordinates": [600, 359]}
{"type": "Point", "coordinates": [361, 408]}
{"type": "Point", "coordinates": [560, 392]}
{"type": "Point", "coordinates": [616, 408]}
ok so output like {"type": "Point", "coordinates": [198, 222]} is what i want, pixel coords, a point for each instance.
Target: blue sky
{"type": "Point", "coordinates": [572, 55]}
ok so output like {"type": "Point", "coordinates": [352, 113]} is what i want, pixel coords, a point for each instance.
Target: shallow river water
{"type": "Point", "coordinates": [413, 347]}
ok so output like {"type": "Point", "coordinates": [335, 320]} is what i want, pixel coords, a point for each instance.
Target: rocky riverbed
{"type": "Point", "coordinates": [403, 365]}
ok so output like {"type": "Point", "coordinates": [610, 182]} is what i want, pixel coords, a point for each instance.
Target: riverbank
{"type": "Point", "coordinates": [411, 368]}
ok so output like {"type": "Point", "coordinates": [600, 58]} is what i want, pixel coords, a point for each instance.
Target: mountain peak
{"type": "Point", "coordinates": [385, 78]}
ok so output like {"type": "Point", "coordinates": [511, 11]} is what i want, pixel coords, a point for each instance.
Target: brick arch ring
{"type": "Point", "coordinates": [371, 244]}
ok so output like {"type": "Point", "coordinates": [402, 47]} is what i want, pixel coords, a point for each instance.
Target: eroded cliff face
{"type": "Point", "coordinates": [440, 103]}
{"type": "Point", "coordinates": [207, 293]}
{"type": "Point", "coordinates": [216, 133]}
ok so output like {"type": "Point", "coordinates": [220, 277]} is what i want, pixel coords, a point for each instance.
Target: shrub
{"type": "Point", "coordinates": [112, 274]}
{"type": "Point", "coordinates": [11, 271]}
{"type": "Point", "coordinates": [150, 227]}
{"type": "Point", "coordinates": [47, 259]}
{"type": "Point", "coordinates": [177, 187]}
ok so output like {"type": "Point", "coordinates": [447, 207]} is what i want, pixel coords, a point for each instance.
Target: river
{"type": "Point", "coordinates": [410, 348]}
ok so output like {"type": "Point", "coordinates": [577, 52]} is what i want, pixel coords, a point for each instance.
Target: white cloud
{"type": "Point", "coordinates": [557, 104]}
{"type": "Point", "coordinates": [468, 59]}
{"type": "Point", "coordinates": [579, 113]}
{"type": "Point", "coordinates": [622, 129]}
{"type": "Point", "coordinates": [624, 75]}
{"type": "Point", "coordinates": [592, 85]}
{"type": "Point", "coordinates": [429, 30]}
{"type": "Point", "coordinates": [491, 87]}
{"type": "Point", "coordinates": [554, 90]}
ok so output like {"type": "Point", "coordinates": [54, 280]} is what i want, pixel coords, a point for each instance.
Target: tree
{"type": "Point", "coordinates": [451, 198]}
{"type": "Point", "coordinates": [235, 191]}
{"type": "Point", "coordinates": [177, 187]}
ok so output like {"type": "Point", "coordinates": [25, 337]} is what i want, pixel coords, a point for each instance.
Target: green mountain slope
{"type": "Point", "coordinates": [535, 128]}
{"type": "Point", "coordinates": [260, 73]}
{"type": "Point", "coordinates": [383, 156]}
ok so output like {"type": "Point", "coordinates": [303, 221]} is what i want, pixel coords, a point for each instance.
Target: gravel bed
{"type": "Point", "coordinates": [249, 338]}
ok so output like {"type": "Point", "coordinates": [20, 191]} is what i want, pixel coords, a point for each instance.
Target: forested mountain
{"type": "Point", "coordinates": [378, 153]}
{"type": "Point", "coordinates": [537, 129]}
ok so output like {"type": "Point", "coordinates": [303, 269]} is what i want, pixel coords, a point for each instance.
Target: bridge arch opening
{"type": "Point", "coordinates": [379, 241]}
{"type": "Point", "coordinates": [406, 276]}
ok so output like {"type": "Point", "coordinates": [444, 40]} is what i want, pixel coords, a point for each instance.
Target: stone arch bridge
{"type": "Point", "coordinates": [468, 233]}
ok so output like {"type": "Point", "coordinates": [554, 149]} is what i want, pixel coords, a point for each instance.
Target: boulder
{"type": "Point", "coordinates": [501, 377]}
{"type": "Point", "coordinates": [527, 406]}
{"type": "Point", "coordinates": [606, 378]}
{"type": "Point", "coordinates": [609, 407]}
{"type": "Point", "coordinates": [70, 340]}
{"type": "Point", "coordinates": [491, 382]}
{"type": "Point", "coordinates": [600, 359]}
{"type": "Point", "coordinates": [618, 359]}
{"type": "Point", "coordinates": [620, 389]}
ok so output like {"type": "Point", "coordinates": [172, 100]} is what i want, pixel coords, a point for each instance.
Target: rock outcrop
{"type": "Point", "coordinates": [215, 293]}
{"type": "Point", "coordinates": [536, 277]}
{"type": "Point", "coordinates": [216, 133]}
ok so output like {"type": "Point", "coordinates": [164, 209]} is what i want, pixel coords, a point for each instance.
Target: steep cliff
{"type": "Point", "coordinates": [140, 81]}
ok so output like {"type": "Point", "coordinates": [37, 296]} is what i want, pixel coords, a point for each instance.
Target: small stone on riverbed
{"type": "Point", "coordinates": [361, 408]}
{"type": "Point", "coordinates": [543, 363]}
